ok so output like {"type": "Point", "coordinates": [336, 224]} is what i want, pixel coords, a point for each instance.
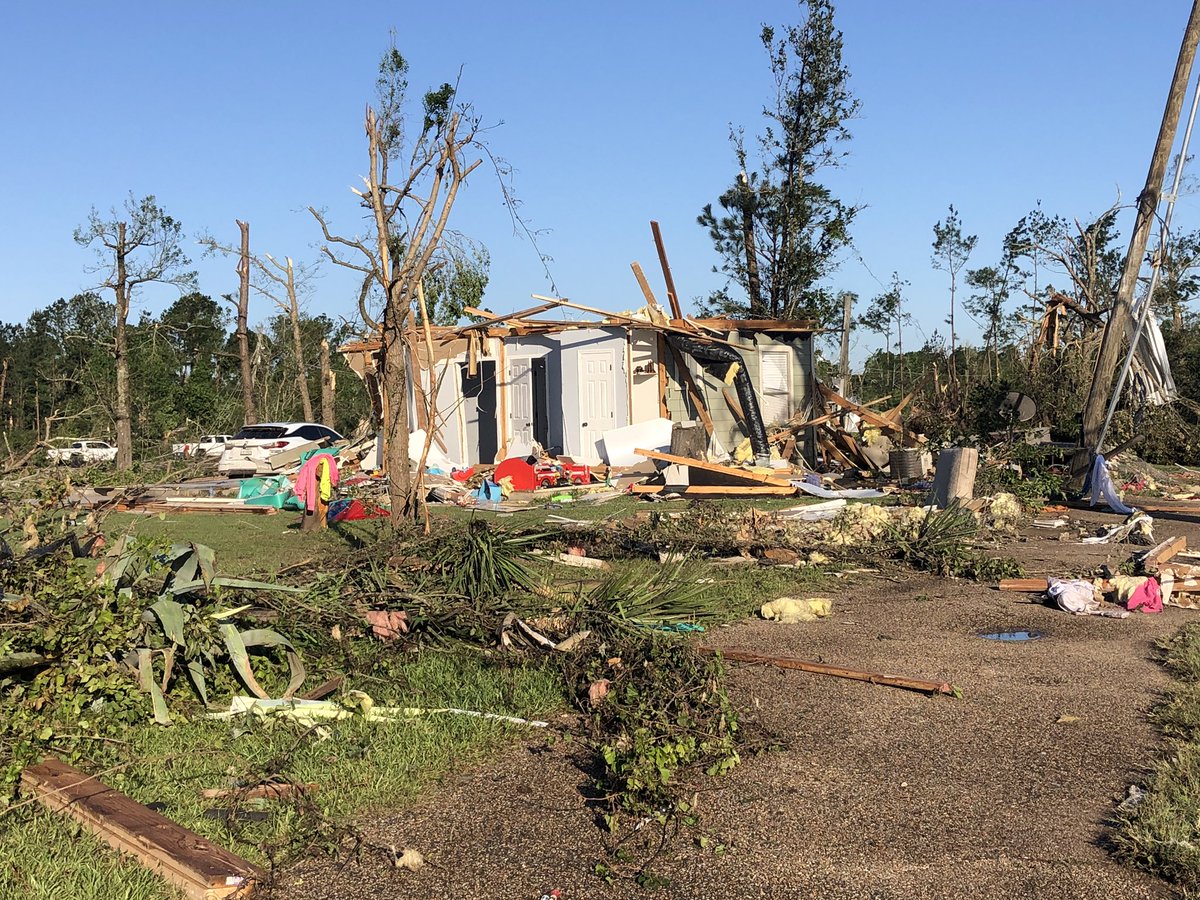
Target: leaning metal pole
{"type": "Point", "coordinates": [1156, 268]}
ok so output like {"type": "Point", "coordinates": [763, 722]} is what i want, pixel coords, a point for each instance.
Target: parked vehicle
{"type": "Point", "coordinates": [249, 451]}
{"type": "Point", "coordinates": [208, 445]}
{"type": "Point", "coordinates": [83, 453]}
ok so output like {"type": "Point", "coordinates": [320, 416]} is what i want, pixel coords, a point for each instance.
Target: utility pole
{"type": "Point", "coordinates": [844, 362]}
{"type": "Point", "coordinates": [1147, 209]}
{"type": "Point", "coordinates": [328, 414]}
{"type": "Point", "coordinates": [243, 336]}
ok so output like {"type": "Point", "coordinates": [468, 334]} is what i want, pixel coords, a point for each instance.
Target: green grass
{"type": "Point", "coordinates": [246, 544]}
{"type": "Point", "coordinates": [359, 767]}
{"type": "Point", "coordinates": [47, 857]}
{"type": "Point", "coordinates": [1162, 833]}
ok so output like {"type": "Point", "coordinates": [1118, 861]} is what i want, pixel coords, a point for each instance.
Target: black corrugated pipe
{"type": "Point", "coordinates": [710, 356]}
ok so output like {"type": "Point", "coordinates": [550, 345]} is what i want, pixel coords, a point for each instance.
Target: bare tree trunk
{"type": "Point", "coordinates": [753, 280]}
{"type": "Point", "coordinates": [952, 368]}
{"type": "Point", "coordinates": [297, 342]}
{"type": "Point", "coordinates": [124, 416]}
{"type": "Point", "coordinates": [328, 416]}
{"type": "Point", "coordinates": [395, 384]}
{"type": "Point", "coordinates": [3, 384]}
{"type": "Point", "coordinates": [256, 361]}
{"type": "Point", "coordinates": [844, 357]}
{"type": "Point", "coordinates": [243, 334]}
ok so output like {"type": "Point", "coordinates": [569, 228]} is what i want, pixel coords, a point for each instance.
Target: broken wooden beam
{"type": "Point", "coordinates": [868, 416]}
{"type": "Point", "coordinates": [1154, 558]}
{"type": "Point", "coordinates": [717, 490]}
{"type": "Point", "coordinates": [787, 662]}
{"type": "Point", "coordinates": [201, 869]}
{"type": "Point", "coordinates": [672, 296]}
{"type": "Point", "coordinates": [685, 375]}
{"type": "Point", "coordinates": [1027, 585]}
{"type": "Point", "coordinates": [736, 408]}
{"type": "Point", "coordinates": [731, 471]}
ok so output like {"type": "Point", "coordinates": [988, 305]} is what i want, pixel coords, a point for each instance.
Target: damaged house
{"type": "Point", "coordinates": [505, 384]}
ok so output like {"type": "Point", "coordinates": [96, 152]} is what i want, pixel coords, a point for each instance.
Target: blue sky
{"type": "Point", "coordinates": [612, 114]}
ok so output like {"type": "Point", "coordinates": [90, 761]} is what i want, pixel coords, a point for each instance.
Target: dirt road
{"type": "Point", "coordinates": [879, 792]}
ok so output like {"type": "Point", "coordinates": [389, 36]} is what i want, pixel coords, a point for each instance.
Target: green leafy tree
{"type": "Point", "coordinates": [951, 249]}
{"type": "Point", "coordinates": [778, 231]}
{"type": "Point", "coordinates": [886, 316]}
{"type": "Point", "coordinates": [1179, 282]}
{"type": "Point", "coordinates": [135, 246]}
{"type": "Point", "coordinates": [993, 286]}
{"type": "Point", "coordinates": [457, 284]}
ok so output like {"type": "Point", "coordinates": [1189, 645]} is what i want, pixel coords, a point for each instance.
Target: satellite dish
{"type": "Point", "coordinates": [1017, 407]}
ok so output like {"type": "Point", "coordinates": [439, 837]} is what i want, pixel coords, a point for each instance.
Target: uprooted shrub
{"type": "Point", "coordinates": [657, 718]}
{"type": "Point", "coordinates": [89, 647]}
{"type": "Point", "coordinates": [939, 542]}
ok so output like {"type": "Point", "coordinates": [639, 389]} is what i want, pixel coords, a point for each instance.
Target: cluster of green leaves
{"type": "Point", "coordinates": [664, 721]}
{"type": "Point", "coordinates": [480, 561]}
{"type": "Point", "coordinates": [63, 638]}
{"type": "Point", "coordinates": [941, 544]}
{"type": "Point", "coordinates": [84, 644]}
{"type": "Point", "coordinates": [1031, 473]}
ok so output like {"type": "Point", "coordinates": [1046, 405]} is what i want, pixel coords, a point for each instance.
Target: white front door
{"type": "Point", "coordinates": [596, 400]}
{"type": "Point", "coordinates": [520, 407]}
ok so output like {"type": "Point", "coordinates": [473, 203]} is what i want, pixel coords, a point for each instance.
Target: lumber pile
{"type": "Point", "coordinates": [199, 868]}
{"type": "Point", "coordinates": [839, 447]}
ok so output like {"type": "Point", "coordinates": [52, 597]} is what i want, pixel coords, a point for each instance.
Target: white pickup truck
{"type": "Point", "coordinates": [83, 453]}
{"type": "Point", "coordinates": [208, 445]}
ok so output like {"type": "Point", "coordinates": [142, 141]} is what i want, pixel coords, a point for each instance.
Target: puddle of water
{"type": "Point", "coordinates": [1011, 635]}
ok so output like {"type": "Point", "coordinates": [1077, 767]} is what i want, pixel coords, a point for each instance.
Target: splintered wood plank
{"type": "Point", "coordinates": [718, 490]}
{"type": "Point", "coordinates": [685, 375]}
{"type": "Point", "coordinates": [1029, 585]}
{"type": "Point", "coordinates": [730, 471]}
{"type": "Point", "coordinates": [202, 870]}
{"type": "Point", "coordinates": [1168, 549]}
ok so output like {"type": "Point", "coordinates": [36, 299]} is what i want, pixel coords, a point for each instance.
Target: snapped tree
{"type": "Point", "coordinates": [289, 279]}
{"type": "Point", "coordinates": [409, 216]}
{"type": "Point", "coordinates": [778, 231]}
{"type": "Point", "coordinates": [135, 246]}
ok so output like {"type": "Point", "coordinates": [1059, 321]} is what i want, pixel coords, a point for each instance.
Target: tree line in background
{"type": "Point", "coordinates": [1040, 305]}
{"type": "Point", "coordinates": [81, 367]}
{"type": "Point", "coordinates": [1041, 309]}
{"type": "Point", "coordinates": [60, 373]}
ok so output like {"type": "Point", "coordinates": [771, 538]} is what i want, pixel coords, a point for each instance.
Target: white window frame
{"type": "Point", "coordinates": [788, 355]}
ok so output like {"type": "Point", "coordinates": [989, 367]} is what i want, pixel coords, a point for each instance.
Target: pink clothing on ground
{"type": "Point", "coordinates": [1148, 597]}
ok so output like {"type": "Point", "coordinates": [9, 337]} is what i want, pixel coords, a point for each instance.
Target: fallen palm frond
{"type": "Point", "coordinates": [649, 595]}
{"type": "Point", "coordinates": [98, 633]}
{"type": "Point", "coordinates": [939, 542]}
{"type": "Point", "coordinates": [482, 562]}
